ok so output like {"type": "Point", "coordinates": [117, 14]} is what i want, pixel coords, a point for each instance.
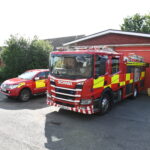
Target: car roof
{"type": "Point", "coordinates": [38, 70]}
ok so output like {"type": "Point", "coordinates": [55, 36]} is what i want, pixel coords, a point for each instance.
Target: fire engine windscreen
{"type": "Point", "coordinates": [72, 66]}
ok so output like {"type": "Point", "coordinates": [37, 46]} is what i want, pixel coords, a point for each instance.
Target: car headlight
{"type": "Point", "coordinates": [86, 101]}
{"type": "Point", "coordinates": [2, 86]}
{"type": "Point", "coordinates": [13, 86]}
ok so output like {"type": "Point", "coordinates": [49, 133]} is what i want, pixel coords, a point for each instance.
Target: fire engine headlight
{"type": "Point", "coordinates": [13, 86]}
{"type": "Point", "coordinates": [86, 101]}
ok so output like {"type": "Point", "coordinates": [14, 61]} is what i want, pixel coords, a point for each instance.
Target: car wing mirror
{"type": "Point", "coordinates": [37, 78]}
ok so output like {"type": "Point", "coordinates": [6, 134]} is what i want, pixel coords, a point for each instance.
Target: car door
{"type": "Point", "coordinates": [41, 82]}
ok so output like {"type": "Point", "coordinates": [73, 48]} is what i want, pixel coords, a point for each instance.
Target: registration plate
{"type": "Point", "coordinates": [64, 107]}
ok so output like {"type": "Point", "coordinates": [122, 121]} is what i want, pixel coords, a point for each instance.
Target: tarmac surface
{"type": "Point", "coordinates": [35, 126]}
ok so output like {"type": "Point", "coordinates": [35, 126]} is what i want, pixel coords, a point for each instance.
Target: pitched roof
{"type": "Point", "coordinates": [108, 32]}
{"type": "Point", "coordinates": [58, 42]}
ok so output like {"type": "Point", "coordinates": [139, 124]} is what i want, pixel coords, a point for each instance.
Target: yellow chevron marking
{"type": "Point", "coordinates": [115, 79]}
{"type": "Point", "coordinates": [99, 82]}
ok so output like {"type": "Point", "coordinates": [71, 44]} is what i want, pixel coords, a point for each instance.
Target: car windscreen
{"type": "Point", "coordinates": [28, 75]}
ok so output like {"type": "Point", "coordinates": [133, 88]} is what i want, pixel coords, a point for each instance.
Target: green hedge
{"type": "Point", "coordinates": [21, 54]}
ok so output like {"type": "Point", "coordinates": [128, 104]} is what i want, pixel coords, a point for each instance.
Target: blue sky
{"type": "Point", "coordinates": [58, 18]}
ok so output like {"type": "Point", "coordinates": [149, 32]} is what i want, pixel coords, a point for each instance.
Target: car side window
{"type": "Point", "coordinates": [46, 74]}
{"type": "Point", "coordinates": [42, 75]}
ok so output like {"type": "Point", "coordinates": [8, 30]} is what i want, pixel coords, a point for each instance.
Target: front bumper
{"type": "Point", "coordinates": [8, 92]}
{"type": "Point", "coordinates": [79, 109]}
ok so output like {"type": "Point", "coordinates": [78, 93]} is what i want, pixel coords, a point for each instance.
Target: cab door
{"type": "Point", "coordinates": [40, 82]}
{"type": "Point", "coordinates": [100, 75]}
{"type": "Point", "coordinates": [115, 73]}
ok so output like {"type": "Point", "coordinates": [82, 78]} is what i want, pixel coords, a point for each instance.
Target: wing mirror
{"type": "Point", "coordinates": [37, 78]}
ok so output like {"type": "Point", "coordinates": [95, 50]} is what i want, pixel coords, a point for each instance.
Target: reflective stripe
{"type": "Point", "coordinates": [99, 82]}
{"type": "Point", "coordinates": [107, 86]}
{"type": "Point", "coordinates": [143, 74]}
{"type": "Point", "coordinates": [115, 79]}
{"type": "Point", "coordinates": [74, 109]}
{"type": "Point", "coordinates": [84, 112]}
{"type": "Point", "coordinates": [52, 78]}
{"type": "Point", "coordinates": [131, 81]}
{"type": "Point", "coordinates": [66, 88]}
{"type": "Point", "coordinates": [40, 84]}
{"type": "Point", "coordinates": [66, 94]}
{"type": "Point", "coordinates": [136, 64]}
{"type": "Point", "coordinates": [89, 112]}
{"type": "Point", "coordinates": [66, 99]}
{"type": "Point", "coordinates": [21, 84]}
{"type": "Point", "coordinates": [122, 83]}
{"type": "Point", "coordinates": [127, 76]}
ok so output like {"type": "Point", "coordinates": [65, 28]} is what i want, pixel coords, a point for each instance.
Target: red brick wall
{"type": "Point", "coordinates": [141, 51]}
{"type": "Point", "coordinates": [115, 39]}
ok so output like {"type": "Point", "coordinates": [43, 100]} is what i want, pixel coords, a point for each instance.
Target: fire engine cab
{"type": "Point", "coordinates": [90, 80]}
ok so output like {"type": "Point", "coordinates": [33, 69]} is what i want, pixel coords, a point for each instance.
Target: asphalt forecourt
{"type": "Point", "coordinates": [33, 125]}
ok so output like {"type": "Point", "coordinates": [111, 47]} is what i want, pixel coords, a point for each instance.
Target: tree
{"type": "Point", "coordinates": [137, 23]}
{"type": "Point", "coordinates": [21, 54]}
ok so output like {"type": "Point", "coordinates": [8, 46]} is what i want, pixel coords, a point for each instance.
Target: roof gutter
{"type": "Point", "coordinates": [108, 32]}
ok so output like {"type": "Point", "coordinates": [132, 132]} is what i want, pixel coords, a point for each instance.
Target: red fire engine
{"type": "Point", "coordinates": [90, 80]}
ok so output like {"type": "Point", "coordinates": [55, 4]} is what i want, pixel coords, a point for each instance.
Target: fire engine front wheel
{"type": "Point", "coordinates": [104, 104]}
{"type": "Point", "coordinates": [25, 95]}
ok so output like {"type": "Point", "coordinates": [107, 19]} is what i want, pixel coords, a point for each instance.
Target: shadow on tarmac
{"type": "Point", "coordinates": [66, 130]}
{"type": "Point", "coordinates": [62, 125]}
{"type": "Point", "coordinates": [36, 102]}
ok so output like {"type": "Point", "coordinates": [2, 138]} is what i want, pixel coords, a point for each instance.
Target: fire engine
{"type": "Point", "coordinates": [90, 80]}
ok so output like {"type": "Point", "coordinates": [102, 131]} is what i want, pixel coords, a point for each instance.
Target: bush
{"type": "Point", "coordinates": [21, 54]}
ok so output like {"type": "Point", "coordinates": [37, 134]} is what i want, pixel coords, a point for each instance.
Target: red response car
{"type": "Point", "coordinates": [29, 83]}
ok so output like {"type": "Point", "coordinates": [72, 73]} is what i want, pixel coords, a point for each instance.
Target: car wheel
{"type": "Point", "coordinates": [25, 95]}
{"type": "Point", "coordinates": [9, 97]}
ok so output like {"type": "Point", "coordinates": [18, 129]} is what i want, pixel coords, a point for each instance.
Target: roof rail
{"type": "Point", "coordinates": [97, 48]}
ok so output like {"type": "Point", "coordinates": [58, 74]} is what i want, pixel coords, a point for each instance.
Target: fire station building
{"type": "Point", "coordinates": [122, 42]}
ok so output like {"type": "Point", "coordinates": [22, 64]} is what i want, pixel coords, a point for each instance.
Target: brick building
{"type": "Point", "coordinates": [122, 42]}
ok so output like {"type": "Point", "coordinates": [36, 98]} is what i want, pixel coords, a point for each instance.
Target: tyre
{"type": "Point", "coordinates": [119, 95]}
{"type": "Point", "coordinates": [104, 104]}
{"type": "Point", "coordinates": [135, 93]}
{"type": "Point", "coordinates": [25, 95]}
{"type": "Point", "coordinates": [9, 97]}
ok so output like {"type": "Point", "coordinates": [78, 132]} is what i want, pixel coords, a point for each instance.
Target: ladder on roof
{"type": "Point", "coordinates": [135, 58]}
{"type": "Point", "coordinates": [90, 48]}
